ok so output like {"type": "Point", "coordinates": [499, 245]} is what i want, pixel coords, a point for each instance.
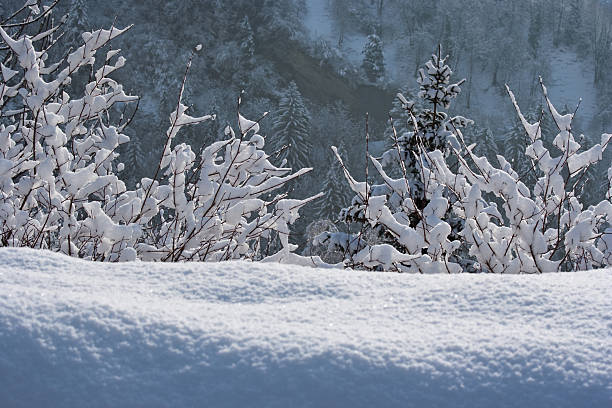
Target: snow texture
{"type": "Point", "coordinates": [239, 334]}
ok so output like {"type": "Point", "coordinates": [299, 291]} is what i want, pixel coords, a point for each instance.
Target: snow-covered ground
{"type": "Point", "coordinates": [572, 80]}
{"type": "Point", "coordinates": [76, 334]}
{"type": "Point", "coordinates": [320, 24]}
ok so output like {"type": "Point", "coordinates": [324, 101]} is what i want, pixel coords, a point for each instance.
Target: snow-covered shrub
{"type": "Point", "coordinates": [542, 229]}
{"type": "Point", "coordinates": [215, 207]}
{"type": "Point", "coordinates": [57, 153]}
{"type": "Point", "coordinates": [59, 187]}
{"type": "Point", "coordinates": [403, 228]}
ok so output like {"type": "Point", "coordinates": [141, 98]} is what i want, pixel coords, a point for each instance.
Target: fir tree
{"type": "Point", "coordinates": [426, 122]}
{"type": "Point", "coordinates": [78, 22]}
{"type": "Point", "coordinates": [292, 128]}
{"type": "Point", "coordinates": [246, 38]}
{"type": "Point", "coordinates": [373, 60]}
{"type": "Point", "coordinates": [427, 127]}
{"type": "Point", "coordinates": [485, 142]}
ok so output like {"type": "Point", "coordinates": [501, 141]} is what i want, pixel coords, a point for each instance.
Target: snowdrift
{"type": "Point", "coordinates": [238, 334]}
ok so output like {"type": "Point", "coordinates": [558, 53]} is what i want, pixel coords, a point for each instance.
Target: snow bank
{"type": "Point", "coordinates": [238, 334]}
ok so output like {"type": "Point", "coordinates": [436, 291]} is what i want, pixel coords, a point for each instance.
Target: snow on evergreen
{"type": "Point", "coordinates": [373, 59]}
{"type": "Point", "coordinates": [414, 230]}
{"type": "Point", "coordinates": [291, 129]}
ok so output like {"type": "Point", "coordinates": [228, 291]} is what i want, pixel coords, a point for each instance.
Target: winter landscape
{"type": "Point", "coordinates": [306, 203]}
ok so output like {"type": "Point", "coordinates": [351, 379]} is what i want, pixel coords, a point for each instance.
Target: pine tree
{"type": "Point", "coordinates": [78, 22]}
{"type": "Point", "coordinates": [292, 128]}
{"type": "Point", "coordinates": [246, 38]}
{"type": "Point", "coordinates": [485, 142]}
{"type": "Point", "coordinates": [426, 121]}
{"type": "Point", "coordinates": [428, 128]}
{"type": "Point", "coordinates": [535, 30]}
{"type": "Point", "coordinates": [373, 60]}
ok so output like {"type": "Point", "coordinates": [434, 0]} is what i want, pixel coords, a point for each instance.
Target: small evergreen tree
{"type": "Point", "coordinates": [292, 128]}
{"type": "Point", "coordinates": [246, 38]}
{"type": "Point", "coordinates": [426, 123]}
{"type": "Point", "coordinates": [77, 23]}
{"type": "Point", "coordinates": [535, 30]}
{"type": "Point", "coordinates": [373, 60]}
{"type": "Point", "coordinates": [400, 217]}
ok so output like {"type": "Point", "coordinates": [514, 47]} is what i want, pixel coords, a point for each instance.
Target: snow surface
{"type": "Point", "coordinates": [572, 80]}
{"type": "Point", "coordinates": [238, 334]}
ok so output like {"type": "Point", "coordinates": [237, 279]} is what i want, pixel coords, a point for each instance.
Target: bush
{"type": "Point", "coordinates": [59, 187]}
{"type": "Point", "coordinates": [541, 229]}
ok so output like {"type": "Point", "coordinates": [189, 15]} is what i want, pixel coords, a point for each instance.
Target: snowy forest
{"type": "Point", "coordinates": [400, 135]}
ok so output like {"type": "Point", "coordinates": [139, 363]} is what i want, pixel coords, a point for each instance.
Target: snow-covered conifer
{"type": "Point", "coordinates": [410, 220]}
{"type": "Point", "coordinates": [373, 60]}
{"type": "Point", "coordinates": [291, 128]}
{"type": "Point", "coordinates": [246, 38]}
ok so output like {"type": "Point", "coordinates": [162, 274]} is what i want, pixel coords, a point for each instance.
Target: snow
{"type": "Point", "coordinates": [318, 20]}
{"type": "Point", "coordinates": [572, 81]}
{"type": "Point", "coordinates": [239, 334]}
{"type": "Point", "coordinates": [320, 23]}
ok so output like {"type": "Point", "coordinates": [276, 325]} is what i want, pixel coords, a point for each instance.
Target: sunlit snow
{"type": "Point", "coordinates": [239, 334]}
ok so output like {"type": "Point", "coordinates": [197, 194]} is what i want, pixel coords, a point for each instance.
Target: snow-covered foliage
{"type": "Point", "coordinates": [292, 128]}
{"type": "Point", "coordinates": [542, 229]}
{"type": "Point", "coordinates": [373, 58]}
{"type": "Point", "coordinates": [544, 226]}
{"type": "Point", "coordinates": [406, 229]}
{"type": "Point", "coordinates": [58, 152]}
{"type": "Point", "coordinates": [59, 187]}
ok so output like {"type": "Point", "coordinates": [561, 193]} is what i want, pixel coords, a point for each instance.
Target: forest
{"type": "Point", "coordinates": [409, 136]}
